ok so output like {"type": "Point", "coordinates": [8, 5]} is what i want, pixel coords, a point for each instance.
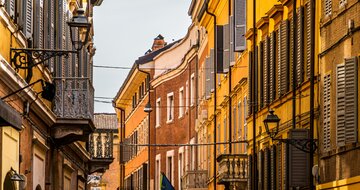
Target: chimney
{"type": "Point", "coordinates": [159, 43]}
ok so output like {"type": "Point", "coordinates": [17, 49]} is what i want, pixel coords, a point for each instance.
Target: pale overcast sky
{"type": "Point", "coordinates": [124, 31]}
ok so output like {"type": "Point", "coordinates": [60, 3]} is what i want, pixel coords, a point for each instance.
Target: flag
{"type": "Point", "coordinates": [165, 183]}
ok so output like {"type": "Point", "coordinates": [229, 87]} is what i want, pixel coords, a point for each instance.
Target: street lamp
{"type": "Point", "coordinates": [271, 123]}
{"type": "Point", "coordinates": [27, 58]}
{"type": "Point", "coordinates": [148, 108]}
{"type": "Point", "coordinates": [80, 29]}
{"type": "Point", "coordinates": [15, 176]}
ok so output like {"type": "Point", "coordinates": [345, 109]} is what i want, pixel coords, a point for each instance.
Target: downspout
{"type": "Point", "coordinates": [215, 69]}
{"type": "Point", "coordinates": [230, 89]}
{"type": "Point", "coordinates": [149, 124]}
{"type": "Point", "coordinates": [254, 100]}
{"type": "Point", "coordinates": [312, 73]}
{"type": "Point", "coordinates": [122, 136]}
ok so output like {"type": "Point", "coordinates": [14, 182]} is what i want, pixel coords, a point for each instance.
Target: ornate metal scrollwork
{"type": "Point", "coordinates": [301, 144]}
{"type": "Point", "coordinates": [22, 58]}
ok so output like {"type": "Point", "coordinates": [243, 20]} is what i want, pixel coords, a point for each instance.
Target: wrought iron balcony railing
{"type": "Point", "coordinates": [232, 168]}
{"type": "Point", "coordinates": [195, 179]}
{"type": "Point", "coordinates": [100, 147]}
{"type": "Point", "coordinates": [74, 98]}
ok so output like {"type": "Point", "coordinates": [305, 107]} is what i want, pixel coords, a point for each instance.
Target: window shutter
{"type": "Point", "coordinates": [279, 166]}
{"type": "Point", "coordinates": [226, 45]}
{"type": "Point", "coordinates": [10, 7]}
{"type": "Point", "coordinates": [273, 169]}
{"type": "Point", "coordinates": [232, 54]}
{"type": "Point", "coordinates": [266, 169]}
{"type": "Point", "coordinates": [39, 24]}
{"type": "Point", "coordinates": [340, 105]}
{"type": "Point", "coordinates": [51, 30]}
{"type": "Point", "coordinates": [212, 65]}
{"type": "Point", "coordinates": [298, 161]}
{"type": "Point", "coordinates": [272, 69]}
{"type": "Point", "coordinates": [285, 182]}
{"type": "Point", "coordinates": [308, 32]}
{"type": "Point", "coordinates": [291, 52]}
{"type": "Point", "coordinates": [261, 73]}
{"type": "Point", "coordinates": [220, 48]}
{"type": "Point", "coordinates": [255, 91]}
{"type": "Point", "coordinates": [249, 181]}
{"type": "Point", "coordinates": [266, 71]}
{"type": "Point", "coordinates": [326, 111]}
{"type": "Point", "coordinates": [260, 170]}
{"type": "Point", "coordinates": [125, 151]}
{"type": "Point", "coordinates": [207, 78]}
{"type": "Point", "coordinates": [28, 14]}
{"type": "Point", "coordinates": [300, 46]}
{"type": "Point", "coordinates": [250, 86]}
{"type": "Point", "coordinates": [327, 7]}
{"type": "Point", "coordinates": [240, 25]}
{"type": "Point", "coordinates": [283, 61]}
{"type": "Point", "coordinates": [144, 174]}
{"type": "Point", "coordinates": [351, 93]}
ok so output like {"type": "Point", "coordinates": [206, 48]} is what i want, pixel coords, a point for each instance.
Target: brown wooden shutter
{"type": "Point", "coordinates": [326, 112]}
{"type": "Point", "coordinates": [240, 25]}
{"type": "Point", "coordinates": [279, 166]}
{"type": "Point", "coordinates": [249, 171]}
{"type": "Point", "coordinates": [39, 24]}
{"type": "Point", "coordinates": [232, 54]}
{"type": "Point", "coordinates": [300, 46]}
{"type": "Point", "coordinates": [125, 151]}
{"type": "Point", "coordinates": [250, 82]}
{"type": "Point", "coordinates": [145, 176]}
{"type": "Point", "coordinates": [308, 31]}
{"type": "Point", "coordinates": [261, 73]}
{"type": "Point", "coordinates": [267, 169]}
{"type": "Point", "coordinates": [260, 170]}
{"type": "Point", "coordinates": [266, 71]}
{"type": "Point", "coordinates": [340, 105]}
{"type": "Point", "coordinates": [285, 172]}
{"type": "Point", "coordinates": [207, 78]}
{"type": "Point", "coordinates": [298, 161]}
{"type": "Point", "coordinates": [291, 53]}
{"type": "Point", "coordinates": [283, 61]}
{"type": "Point", "coordinates": [273, 169]}
{"type": "Point", "coordinates": [220, 49]}
{"type": "Point", "coordinates": [351, 103]}
{"type": "Point", "coordinates": [256, 80]}
{"type": "Point", "coordinates": [272, 68]}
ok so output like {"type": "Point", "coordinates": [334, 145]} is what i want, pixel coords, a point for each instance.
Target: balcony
{"type": "Point", "coordinates": [74, 109]}
{"type": "Point", "coordinates": [100, 147]}
{"type": "Point", "coordinates": [195, 179]}
{"type": "Point", "coordinates": [233, 169]}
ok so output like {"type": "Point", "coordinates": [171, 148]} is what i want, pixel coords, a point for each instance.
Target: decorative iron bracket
{"type": "Point", "coordinates": [301, 144]}
{"type": "Point", "coordinates": [27, 58]}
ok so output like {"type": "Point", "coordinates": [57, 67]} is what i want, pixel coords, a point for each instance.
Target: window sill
{"type": "Point", "coordinates": [340, 150]}
{"type": "Point", "coordinates": [181, 116]}
{"type": "Point", "coordinates": [170, 121]}
{"type": "Point", "coordinates": [157, 126]}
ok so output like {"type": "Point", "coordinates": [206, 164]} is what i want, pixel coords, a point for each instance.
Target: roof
{"type": "Point", "coordinates": [105, 121]}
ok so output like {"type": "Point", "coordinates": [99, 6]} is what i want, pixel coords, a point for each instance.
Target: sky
{"type": "Point", "coordinates": [125, 30]}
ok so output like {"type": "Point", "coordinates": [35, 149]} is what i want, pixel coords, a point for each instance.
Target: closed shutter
{"type": "Point", "coordinates": [272, 69]}
{"type": "Point", "coordinates": [266, 71]}
{"type": "Point", "coordinates": [351, 94]}
{"type": "Point", "coordinates": [212, 66]}
{"type": "Point", "coordinates": [207, 78]}
{"type": "Point", "coordinates": [340, 105]}
{"type": "Point", "coordinates": [232, 54]}
{"type": "Point", "coordinates": [260, 170]}
{"type": "Point", "coordinates": [285, 172]}
{"type": "Point", "coordinates": [240, 25]}
{"type": "Point", "coordinates": [300, 46]}
{"type": "Point", "coordinates": [28, 18]}
{"type": "Point", "coordinates": [250, 86]}
{"type": "Point", "coordinates": [226, 45]}
{"type": "Point", "coordinates": [327, 7]}
{"type": "Point", "coordinates": [261, 73]}
{"type": "Point", "coordinates": [279, 166]}
{"type": "Point", "coordinates": [273, 169]}
{"type": "Point", "coordinates": [256, 79]}
{"type": "Point", "coordinates": [68, 46]}
{"type": "Point", "coordinates": [326, 112]}
{"type": "Point", "coordinates": [51, 30]}
{"type": "Point", "coordinates": [283, 61]}
{"type": "Point", "coordinates": [39, 24]}
{"type": "Point", "coordinates": [298, 161]}
{"type": "Point", "coordinates": [125, 151]}
{"type": "Point", "coordinates": [144, 174]}
{"type": "Point", "coordinates": [291, 52]}
{"type": "Point", "coordinates": [266, 169]}
{"type": "Point", "coordinates": [308, 39]}
{"type": "Point", "coordinates": [10, 7]}
{"type": "Point", "coordinates": [219, 49]}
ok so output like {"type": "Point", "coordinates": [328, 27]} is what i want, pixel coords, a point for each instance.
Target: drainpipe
{"type": "Point", "coordinates": [312, 73]}
{"type": "Point", "coordinates": [215, 69]}
{"type": "Point", "coordinates": [149, 130]}
{"type": "Point", "coordinates": [230, 88]}
{"type": "Point", "coordinates": [254, 100]}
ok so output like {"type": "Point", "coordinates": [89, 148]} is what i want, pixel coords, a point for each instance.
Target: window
{"type": "Point", "coordinates": [225, 134]}
{"type": "Point", "coordinates": [234, 135]}
{"type": "Point", "coordinates": [327, 7]}
{"type": "Point", "coordinates": [170, 165]}
{"type": "Point", "coordinates": [187, 95]}
{"type": "Point", "coordinates": [157, 171]}
{"type": "Point", "coordinates": [170, 107]}
{"type": "Point", "coordinates": [192, 89]}
{"type": "Point", "coordinates": [181, 102]}
{"type": "Point", "coordinates": [158, 113]}
{"type": "Point", "coordinates": [218, 138]}
{"type": "Point", "coordinates": [181, 165]}
{"type": "Point", "coordinates": [342, 3]}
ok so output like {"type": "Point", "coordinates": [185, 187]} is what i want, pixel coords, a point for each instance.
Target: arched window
{"type": "Point", "coordinates": [38, 187]}
{"type": "Point", "coordinates": [8, 183]}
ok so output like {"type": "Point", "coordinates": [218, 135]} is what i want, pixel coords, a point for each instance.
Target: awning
{"type": "Point", "coordinates": [9, 116]}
